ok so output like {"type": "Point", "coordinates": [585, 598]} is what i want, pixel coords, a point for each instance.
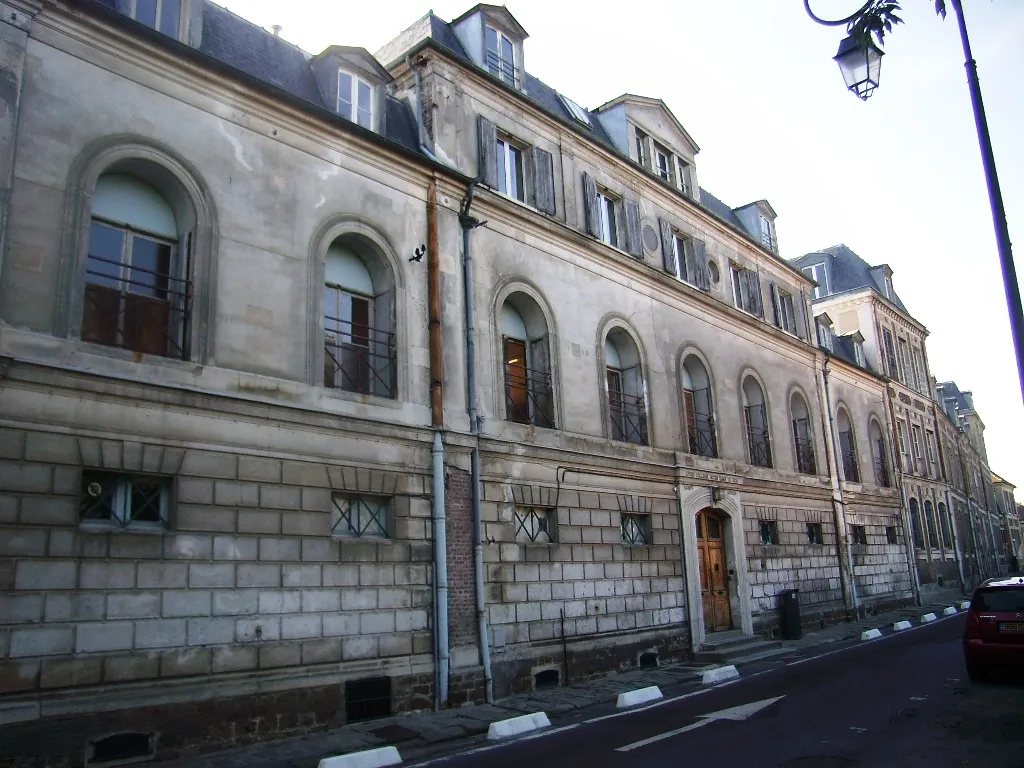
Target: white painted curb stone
{"type": "Point", "coordinates": [965, 605]}
{"type": "Point", "coordinates": [640, 696]}
{"type": "Point", "coordinates": [371, 758]}
{"type": "Point", "coordinates": [870, 634]}
{"type": "Point", "coordinates": [949, 611]}
{"type": "Point", "coordinates": [720, 674]}
{"type": "Point", "coordinates": [899, 626]}
{"type": "Point", "coordinates": [502, 729]}
{"type": "Point", "coordinates": [928, 618]}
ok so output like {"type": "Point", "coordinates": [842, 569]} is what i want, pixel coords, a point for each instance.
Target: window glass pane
{"type": "Point", "coordinates": [150, 266]}
{"type": "Point", "coordinates": [714, 528]}
{"type": "Point", "coordinates": [145, 500]}
{"type": "Point", "coordinates": [492, 51]}
{"type": "Point", "coordinates": [170, 11]}
{"type": "Point", "coordinates": [516, 158]}
{"type": "Point", "coordinates": [99, 496]}
{"type": "Point", "coordinates": [365, 102]}
{"type": "Point", "coordinates": [145, 11]}
{"type": "Point", "coordinates": [999, 600]}
{"type": "Point", "coordinates": [345, 95]}
{"type": "Point", "coordinates": [106, 250]}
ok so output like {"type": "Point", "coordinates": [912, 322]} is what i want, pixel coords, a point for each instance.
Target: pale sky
{"type": "Point", "coordinates": [897, 178]}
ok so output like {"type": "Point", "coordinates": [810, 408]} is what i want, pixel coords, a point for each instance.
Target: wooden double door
{"type": "Point", "coordinates": [714, 573]}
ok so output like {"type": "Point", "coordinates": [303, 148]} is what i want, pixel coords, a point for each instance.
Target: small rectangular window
{"type": "Point", "coordinates": [663, 163]}
{"type": "Point", "coordinates": [683, 175]}
{"type": "Point", "coordinates": [124, 501]}
{"type": "Point", "coordinates": [361, 517]}
{"type": "Point", "coordinates": [501, 60]}
{"type": "Point", "coordinates": [787, 313]}
{"type": "Point", "coordinates": [915, 441]}
{"type": "Point", "coordinates": [814, 534]}
{"type": "Point", "coordinates": [606, 217]}
{"type": "Point", "coordinates": [355, 99]}
{"type": "Point", "coordinates": [890, 535]}
{"type": "Point", "coordinates": [535, 525]}
{"type": "Point", "coordinates": [679, 247]}
{"type": "Point", "coordinates": [510, 170]}
{"type": "Point", "coordinates": [859, 534]}
{"type": "Point", "coordinates": [636, 529]}
{"type": "Point", "coordinates": [818, 274]}
{"type": "Point", "coordinates": [746, 289]}
{"type": "Point", "coordinates": [767, 238]}
{"type": "Point", "coordinates": [640, 142]}
{"type": "Point", "coordinates": [769, 532]}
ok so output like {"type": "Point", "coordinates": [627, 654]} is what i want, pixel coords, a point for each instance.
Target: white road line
{"type": "Point", "coordinates": [489, 747]}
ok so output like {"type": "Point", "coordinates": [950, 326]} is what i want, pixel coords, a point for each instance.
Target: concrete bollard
{"type": "Point", "coordinates": [870, 634]}
{"type": "Point", "coordinates": [899, 626]}
{"type": "Point", "coordinates": [949, 611]}
{"type": "Point", "coordinates": [371, 758]}
{"type": "Point", "coordinates": [719, 675]}
{"type": "Point", "coordinates": [503, 729]}
{"type": "Point", "coordinates": [640, 696]}
{"type": "Point", "coordinates": [928, 618]}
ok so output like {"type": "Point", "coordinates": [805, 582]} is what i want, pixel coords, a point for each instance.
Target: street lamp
{"type": "Point", "coordinates": [860, 67]}
{"type": "Point", "coordinates": [860, 64]}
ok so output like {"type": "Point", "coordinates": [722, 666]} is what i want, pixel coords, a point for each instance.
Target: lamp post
{"type": "Point", "coordinates": [860, 62]}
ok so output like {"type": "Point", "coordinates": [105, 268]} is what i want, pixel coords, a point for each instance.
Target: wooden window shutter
{"type": "Point", "coordinates": [488, 152]}
{"type": "Point", "coordinates": [773, 294]}
{"type": "Point", "coordinates": [634, 243]}
{"type": "Point", "coordinates": [620, 225]}
{"type": "Point", "coordinates": [800, 314]}
{"type": "Point", "coordinates": [590, 205]}
{"type": "Point", "coordinates": [689, 262]}
{"type": "Point", "coordinates": [700, 257]}
{"type": "Point", "coordinates": [668, 252]}
{"type": "Point", "coordinates": [754, 293]}
{"type": "Point", "coordinates": [543, 179]}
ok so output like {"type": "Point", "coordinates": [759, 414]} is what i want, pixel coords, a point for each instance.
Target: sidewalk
{"type": "Point", "coordinates": [418, 735]}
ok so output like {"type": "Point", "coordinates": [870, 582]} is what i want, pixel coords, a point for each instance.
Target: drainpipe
{"type": "Point", "coordinates": [908, 530]}
{"type": "Point", "coordinates": [951, 522]}
{"type": "Point", "coordinates": [682, 549]}
{"type": "Point", "coordinates": [843, 551]}
{"type": "Point", "coordinates": [437, 452]}
{"type": "Point", "coordinates": [468, 224]}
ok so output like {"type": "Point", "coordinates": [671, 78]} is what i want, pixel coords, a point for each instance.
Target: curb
{"type": "Point", "coordinates": [719, 674]}
{"type": "Point", "coordinates": [870, 634]}
{"type": "Point", "coordinates": [503, 729]}
{"type": "Point", "coordinates": [899, 626]}
{"type": "Point", "coordinates": [639, 696]}
{"type": "Point", "coordinates": [371, 758]}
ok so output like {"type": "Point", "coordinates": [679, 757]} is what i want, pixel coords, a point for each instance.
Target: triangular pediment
{"type": "Point", "coordinates": [654, 116]}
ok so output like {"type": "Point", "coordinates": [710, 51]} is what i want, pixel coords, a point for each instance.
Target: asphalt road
{"type": "Point", "coordinates": [901, 701]}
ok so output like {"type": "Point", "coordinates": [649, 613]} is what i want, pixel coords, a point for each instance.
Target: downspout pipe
{"type": "Point", "coordinates": [441, 645]}
{"type": "Point", "coordinates": [469, 223]}
{"type": "Point", "coordinates": [843, 552]}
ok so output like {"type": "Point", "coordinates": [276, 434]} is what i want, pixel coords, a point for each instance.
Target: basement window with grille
{"type": "Point", "coordinates": [858, 534]}
{"type": "Point", "coordinates": [769, 532]}
{"type": "Point", "coordinates": [890, 535]}
{"type": "Point", "coordinates": [814, 535]}
{"type": "Point", "coordinates": [361, 517]}
{"type": "Point", "coordinates": [535, 525]}
{"type": "Point", "coordinates": [116, 500]}
{"type": "Point", "coordinates": [636, 530]}
{"type": "Point", "coordinates": [367, 699]}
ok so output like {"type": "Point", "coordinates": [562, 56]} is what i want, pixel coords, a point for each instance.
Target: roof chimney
{"type": "Point", "coordinates": [277, 30]}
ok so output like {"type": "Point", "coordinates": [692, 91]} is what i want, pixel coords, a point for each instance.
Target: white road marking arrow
{"type": "Point", "coordinates": [742, 712]}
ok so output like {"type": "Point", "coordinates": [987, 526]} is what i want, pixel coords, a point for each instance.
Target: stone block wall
{"type": "Point", "coordinates": [879, 568]}
{"type": "Point", "coordinates": [249, 583]}
{"type": "Point", "coordinates": [794, 563]}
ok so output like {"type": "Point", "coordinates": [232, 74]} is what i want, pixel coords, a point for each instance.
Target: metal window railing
{"type": "Point", "coordinates": [534, 526]}
{"type": "Point", "coordinates": [758, 438]}
{"type": "Point", "coordinates": [882, 471]}
{"type": "Point", "coordinates": [502, 68]}
{"type": "Point", "coordinates": [701, 431]}
{"type": "Point", "coordinates": [634, 529]}
{"type": "Point", "coordinates": [528, 397]}
{"type": "Point", "coordinates": [147, 312]}
{"type": "Point", "coordinates": [805, 462]}
{"type": "Point", "coordinates": [850, 470]}
{"type": "Point", "coordinates": [627, 415]}
{"type": "Point", "coordinates": [358, 358]}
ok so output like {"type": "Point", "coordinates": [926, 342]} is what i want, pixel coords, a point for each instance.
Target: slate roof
{"type": "Point", "coordinates": [720, 209]}
{"type": "Point", "coordinates": [844, 348]}
{"type": "Point", "coordinates": [849, 272]}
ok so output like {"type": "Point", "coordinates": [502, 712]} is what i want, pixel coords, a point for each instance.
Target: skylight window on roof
{"type": "Point", "coordinates": [575, 110]}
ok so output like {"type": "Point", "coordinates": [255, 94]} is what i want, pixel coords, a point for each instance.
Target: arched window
{"type": "Point", "coordinates": [847, 446]}
{"type": "Point", "coordinates": [755, 415]}
{"type": "Point", "coordinates": [624, 381]}
{"type": "Point", "coordinates": [359, 319]}
{"type": "Point", "coordinates": [802, 435]}
{"type": "Point", "coordinates": [915, 524]}
{"type": "Point", "coordinates": [929, 518]}
{"type": "Point", "coordinates": [137, 278]}
{"type": "Point", "coordinates": [879, 455]}
{"type": "Point", "coordinates": [698, 408]}
{"type": "Point", "coordinates": [525, 351]}
{"type": "Point", "coordinates": [947, 541]}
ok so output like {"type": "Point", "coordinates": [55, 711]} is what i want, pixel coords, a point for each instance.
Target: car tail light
{"type": "Point", "coordinates": [973, 630]}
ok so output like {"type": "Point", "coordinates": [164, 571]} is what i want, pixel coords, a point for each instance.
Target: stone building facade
{"type": "Point", "coordinates": [344, 384]}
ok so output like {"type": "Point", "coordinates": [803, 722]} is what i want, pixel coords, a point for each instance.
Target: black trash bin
{"type": "Point", "coordinates": [790, 605]}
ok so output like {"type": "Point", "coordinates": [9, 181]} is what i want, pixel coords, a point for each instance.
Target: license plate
{"type": "Point", "coordinates": [1011, 626]}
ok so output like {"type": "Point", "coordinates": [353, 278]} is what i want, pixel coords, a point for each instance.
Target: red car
{"type": "Point", "coordinates": [994, 636]}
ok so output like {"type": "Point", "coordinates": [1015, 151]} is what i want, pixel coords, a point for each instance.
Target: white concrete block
{"type": "Point", "coordinates": [502, 729]}
{"type": "Point", "coordinates": [965, 605]}
{"type": "Point", "coordinates": [949, 611]}
{"type": "Point", "coordinates": [371, 758]}
{"type": "Point", "coordinates": [899, 626]}
{"type": "Point", "coordinates": [928, 618]}
{"type": "Point", "coordinates": [639, 696]}
{"type": "Point", "coordinates": [719, 674]}
{"type": "Point", "coordinates": [871, 634]}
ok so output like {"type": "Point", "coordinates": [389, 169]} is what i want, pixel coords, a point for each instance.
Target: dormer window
{"type": "Point", "coordinates": [355, 99]}
{"type": "Point", "coordinates": [683, 174]}
{"type": "Point", "coordinates": [162, 15]}
{"type": "Point", "coordinates": [818, 274]}
{"type": "Point", "coordinates": [640, 139]}
{"type": "Point", "coordinates": [767, 237]}
{"type": "Point", "coordinates": [858, 353]}
{"type": "Point", "coordinates": [575, 110]}
{"type": "Point", "coordinates": [501, 59]}
{"type": "Point", "coordinates": [663, 163]}
{"type": "Point", "coordinates": [825, 334]}
{"type": "Point", "coordinates": [888, 287]}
